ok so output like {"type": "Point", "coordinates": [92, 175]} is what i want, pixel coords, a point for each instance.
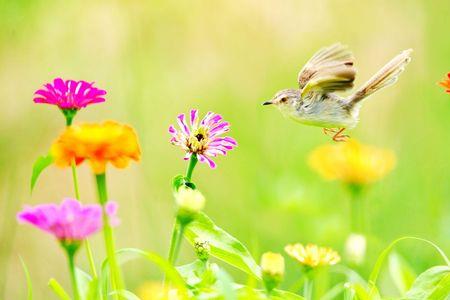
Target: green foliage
{"type": "Point", "coordinates": [39, 165]}
{"type": "Point", "coordinates": [127, 254]}
{"type": "Point", "coordinates": [28, 279]}
{"type": "Point", "coordinates": [223, 245]}
{"type": "Point", "coordinates": [434, 284]}
{"type": "Point", "coordinates": [58, 289]}
{"type": "Point", "coordinates": [401, 273]}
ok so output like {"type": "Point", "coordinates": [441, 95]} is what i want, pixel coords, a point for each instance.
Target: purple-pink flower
{"type": "Point", "coordinates": [202, 137]}
{"type": "Point", "coordinates": [70, 221]}
{"type": "Point", "coordinates": [69, 94]}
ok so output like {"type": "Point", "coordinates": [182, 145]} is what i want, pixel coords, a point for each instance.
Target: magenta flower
{"type": "Point", "coordinates": [69, 222]}
{"type": "Point", "coordinates": [69, 94]}
{"type": "Point", "coordinates": [202, 138]}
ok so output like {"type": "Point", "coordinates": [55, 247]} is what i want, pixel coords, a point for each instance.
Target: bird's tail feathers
{"type": "Point", "coordinates": [386, 76]}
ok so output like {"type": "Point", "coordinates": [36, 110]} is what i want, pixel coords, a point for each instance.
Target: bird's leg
{"type": "Point", "coordinates": [339, 137]}
{"type": "Point", "coordinates": [329, 131]}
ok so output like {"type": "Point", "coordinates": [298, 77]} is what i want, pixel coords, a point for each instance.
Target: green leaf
{"type": "Point", "coordinates": [87, 286]}
{"type": "Point", "coordinates": [181, 180]}
{"type": "Point", "coordinates": [125, 294]}
{"type": "Point", "coordinates": [177, 181]}
{"type": "Point", "coordinates": [225, 285]}
{"type": "Point", "coordinates": [127, 254]}
{"type": "Point", "coordinates": [192, 273]}
{"type": "Point", "coordinates": [58, 289]}
{"type": "Point", "coordinates": [286, 295]}
{"type": "Point", "coordinates": [39, 165]}
{"type": "Point", "coordinates": [434, 284]}
{"type": "Point", "coordinates": [28, 278]}
{"type": "Point", "coordinates": [223, 246]}
{"type": "Point", "coordinates": [380, 260]}
{"type": "Point", "coordinates": [246, 292]}
{"type": "Point", "coordinates": [401, 273]}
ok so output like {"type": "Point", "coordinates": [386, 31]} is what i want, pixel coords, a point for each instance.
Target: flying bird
{"type": "Point", "coordinates": [331, 70]}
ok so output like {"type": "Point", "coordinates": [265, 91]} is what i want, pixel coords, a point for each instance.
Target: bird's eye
{"type": "Point", "coordinates": [284, 99]}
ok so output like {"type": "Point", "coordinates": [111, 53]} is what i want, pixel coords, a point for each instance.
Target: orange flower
{"type": "Point", "coordinates": [446, 83]}
{"type": "Point", "coordinates": [99, 143]}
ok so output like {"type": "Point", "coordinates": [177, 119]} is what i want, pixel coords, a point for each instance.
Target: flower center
{"type": "Point", "coordinates": [198, 141]}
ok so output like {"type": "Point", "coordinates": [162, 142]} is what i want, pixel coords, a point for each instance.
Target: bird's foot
{"type": "Point", "coordinates": [336, 134]}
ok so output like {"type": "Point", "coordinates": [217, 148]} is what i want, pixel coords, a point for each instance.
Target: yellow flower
{"type": "Point", "coordinates": [99, 143]}
{"type": "Point", "coordinates": [153, 290]}
{"type": "Point", "coordinates": [312, 255]}
{"type": "Point", "coordinates": [272, 264]}
{"type": "Point", "coordinates": [352, 162]}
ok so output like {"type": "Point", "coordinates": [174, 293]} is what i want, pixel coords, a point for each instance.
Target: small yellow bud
{"type": "Point", "coordinates": [355, 248]}
{"type": "Point", "coordinates": [272, 265]}
{"type": "Point", "coordinates": [189, 200]}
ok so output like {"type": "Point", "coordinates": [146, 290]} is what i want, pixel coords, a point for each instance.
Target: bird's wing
{"type": "Point", "coordinates": [330, 69]}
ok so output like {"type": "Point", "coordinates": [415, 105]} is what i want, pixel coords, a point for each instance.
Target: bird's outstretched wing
{"type": "Point", "coordinates": [330, 69]}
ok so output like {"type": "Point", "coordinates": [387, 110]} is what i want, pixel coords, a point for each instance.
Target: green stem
{"type": "Point", "coordinates": [116, 276]}
{"type": "Point", "coordinates": [190, 169]}
{"type": "Point", "coordinates": [69, 114]}
{"type": "Point", "coordinates": [175, 241]}
{"type": "Point", "coordinates": [75, 179]}
{"type": "Point", "coordinates": [358, 211]}
{"type": "Point", "coordinates": [77, 196]}
{"type": "Point", "coordinates": [70, 250]}
{"type": "Point", "coordinates": [308, 286]}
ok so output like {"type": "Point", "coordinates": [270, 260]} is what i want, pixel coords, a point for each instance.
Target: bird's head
{"type": "Point", "coordinates": [284, 100]}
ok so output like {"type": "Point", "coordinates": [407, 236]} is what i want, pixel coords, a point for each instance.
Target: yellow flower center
{"type": "Point", "coordinates": [198, 140]}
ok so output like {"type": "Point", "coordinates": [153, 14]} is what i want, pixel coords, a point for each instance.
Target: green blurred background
{"type": "Point", "coordinates": [159, 58]}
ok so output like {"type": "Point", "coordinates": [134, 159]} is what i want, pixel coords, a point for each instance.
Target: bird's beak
{"type": "Point", "coordinates": [267, 102]}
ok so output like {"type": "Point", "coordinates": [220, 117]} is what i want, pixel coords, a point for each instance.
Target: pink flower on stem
{"type": "Point", "coordinates": [69, 94]}
{"type": "Point", "coordinates": [202, 137]}
{"type": "Point", "coordinates": [70, 222]}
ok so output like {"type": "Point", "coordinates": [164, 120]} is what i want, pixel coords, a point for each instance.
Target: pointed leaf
{"type": "Point", "coordinates": [401, 273]}
{"type": "Point", "coordinates": [127, 254]}
{"type": "Point", "coordinates": [39, 165]}
{"type": "Point", "coordinates": [28, 279]}
{"type": "Point", "coordinates": [58, 289]}
{"type": "Point", "coordinates": [434, 284]}
{"type": "Point", "coordinates": [223, 246]}
{"type": "Point", "coordinates": [125, 294]}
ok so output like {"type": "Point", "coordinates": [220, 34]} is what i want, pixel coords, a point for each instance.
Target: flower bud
{"type": "Point", "coordinates": [189, 203]}
{"type": "Point", "coordinates": [272, 265]}
{"type": "Point", "coordinates": [355, 248]}
{"type": "Point", "coordinates": [202, 249]}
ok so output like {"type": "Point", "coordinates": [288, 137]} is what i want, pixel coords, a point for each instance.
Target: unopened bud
{"type": "Point", "coordinates": [272, 265]}
{"type": "Point", "coordinates": [189, 202]}
{"type": "Point", "coordinates": [355, 248]}
{"type": "Point", "coordinates": [202, 249]}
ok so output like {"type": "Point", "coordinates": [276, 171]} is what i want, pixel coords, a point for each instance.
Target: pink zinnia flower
{"type": "Point", "coordinates": [69, 94]}
{"type": "Point", "coordinates": [69, 222]}
{"type": "Point", "coordinates": [202, 138]}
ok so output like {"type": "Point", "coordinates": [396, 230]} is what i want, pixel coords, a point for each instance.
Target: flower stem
{"type": "Point", "coordinates": [175, 241]}
{"type": "Point", "coordinates": [190, 169]}
{"type": "Point", "coordinates": [77, 196]}
{"type": "Point", "coordinates": [75, 179]}
{"type": "Point", "coordinates": [358, 211]}
{"type": "Point", "coordinates": [116, 276]}
{"type": "Point", "coordinates": [70, 250]}
{"type": "Point", "coordinates": [308, 287]}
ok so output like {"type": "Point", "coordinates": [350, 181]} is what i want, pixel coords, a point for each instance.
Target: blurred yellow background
{"type": "Point", "coordinates": [160, 58]}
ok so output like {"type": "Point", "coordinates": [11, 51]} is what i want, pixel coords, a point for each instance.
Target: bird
{"type": "Point", "coordinates": [329, 71]}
